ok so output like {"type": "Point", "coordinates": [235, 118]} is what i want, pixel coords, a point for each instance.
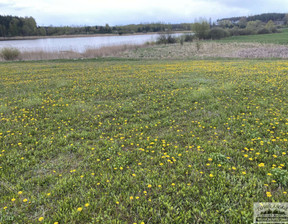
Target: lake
{"type": "Point", "coordinates": [77, 44]}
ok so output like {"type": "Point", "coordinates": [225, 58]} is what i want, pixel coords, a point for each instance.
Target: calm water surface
{"type": "Point", "coordinates": [77, 44]}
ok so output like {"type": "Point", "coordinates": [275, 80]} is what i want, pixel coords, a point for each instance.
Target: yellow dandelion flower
{"type": "Point", "coordinates": [41, 219]}
{"type": "Point", "coordinates": [79, 209]}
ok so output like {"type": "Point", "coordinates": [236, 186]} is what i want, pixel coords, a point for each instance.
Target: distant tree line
{"type": "Point", "coordinates": [19, 26]}
{"type": "Point", "coordinates": [265, 17]}
{"type": "Point", "coordinates": [11, 26]}
{"type": "Point", "coordinates": [235, 26]}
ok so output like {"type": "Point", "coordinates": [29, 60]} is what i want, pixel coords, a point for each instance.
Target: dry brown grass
{"type": "Point", "coordinates": [210, 49]}
{"type": "Point", "coordinates": [109, 51]}
{"type": "Point", "coordinates": [172, 51]}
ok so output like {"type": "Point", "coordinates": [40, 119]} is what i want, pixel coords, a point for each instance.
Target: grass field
{"type": "Point", "coordinates": [274, 38]}
{"type": "Point", "coordinates": [127, 141]}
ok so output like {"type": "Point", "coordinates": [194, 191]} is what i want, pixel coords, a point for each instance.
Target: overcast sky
{"type": "Point", "coordinates": [122, 12]}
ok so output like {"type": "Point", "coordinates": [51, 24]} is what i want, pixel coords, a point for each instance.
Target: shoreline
{"type": "Point", "coordinates": [78, 35]}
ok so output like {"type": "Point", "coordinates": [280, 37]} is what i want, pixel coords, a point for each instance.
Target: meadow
{"type": "Point", "coordinates": [129, 141]}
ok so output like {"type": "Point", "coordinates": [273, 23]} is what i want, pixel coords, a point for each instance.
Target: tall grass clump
{"type": "Point", "coordinates": [9, 54]}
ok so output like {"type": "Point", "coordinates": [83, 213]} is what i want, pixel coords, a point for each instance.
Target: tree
{"type": "Point", "coordinates": [29, 27]}
{"type": "Point", "coordinates": [2, 31]}
{"type": "Point", "coordinates": [270, 26]}
{"type": "Point", "coordinates": [225, 23]}
{"type": "Point", "coordinates": [254, 26]}
{"type": "Point", "coordinates": [201, 30]}
{"type": "Point", "coordinates": [242, 22]}
{"type": "Point", "coordinates": [14, 27]}
{"type": "Point", "coordinates": [286, 19]}
{"type": "Point", "coordinates": [108, 29]}
{"type": "Point", "coordinates": [41, 31]}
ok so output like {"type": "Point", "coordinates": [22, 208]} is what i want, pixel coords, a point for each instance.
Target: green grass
{"type": "Point", "coordinates": [123, 141]}
{"type": "Point", "coordinates": [275, 38]}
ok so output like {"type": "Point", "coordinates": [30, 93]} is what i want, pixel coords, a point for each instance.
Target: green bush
{"type": "Point", "coordinates": [166, 38]}
{"type": "Point", "coordinates": [263, 31]}
{"type": "Point", "coordinates": [10, 54]}
{"type": "Point", "coordinates": [189, 37]}
{"type": "Point", "coordinates": [218, 33]}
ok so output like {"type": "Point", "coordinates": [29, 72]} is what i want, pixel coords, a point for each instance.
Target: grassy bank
{"type": "Point", "coordinates": [142, 142]}
{"type": "Point", "coordinates": [274, 38]}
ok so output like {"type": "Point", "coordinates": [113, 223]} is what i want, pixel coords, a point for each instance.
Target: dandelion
{"type": "Point", "coordinates": [268, 194]}
{"type": "Point", "coordinates": [211, 175]}
{"type": "Point", "coordinates": [149, 186]}
{"type": "Point", "coordinates": [87, 204]}
{"type": "Point", "coordinates": [25, 200]}
{"type": "Point", "coordinates": [41, 219]}
{"type": "Point", "coordinates": [79, 209]}
{"type": "Point", "coordinates": [13, 199]}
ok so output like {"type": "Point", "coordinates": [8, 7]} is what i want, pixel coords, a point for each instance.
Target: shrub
{"type": "Point", "coordinates": [263, 31]}
{"type": "Point", "coordinates": [10, 53]}
{"type": "Point", "coordinates": [218, 33]}
{"type": "Point", "coordinates": [189, 37]}
{"type": "Point", "coordinates": [166, 38]}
